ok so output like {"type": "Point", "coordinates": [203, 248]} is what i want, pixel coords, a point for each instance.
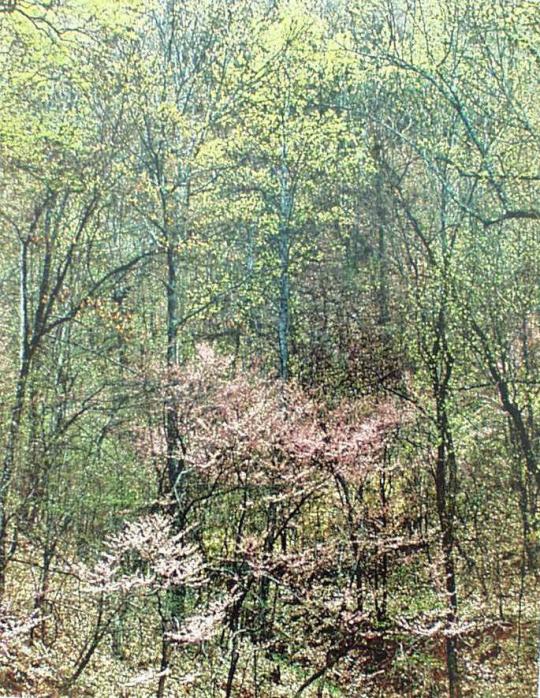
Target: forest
{"type": "Point", "coordinates": [270, 348]}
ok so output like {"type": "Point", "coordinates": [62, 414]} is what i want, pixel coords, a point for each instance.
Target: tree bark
{"type": "Point", "coordinates": [284, 282]}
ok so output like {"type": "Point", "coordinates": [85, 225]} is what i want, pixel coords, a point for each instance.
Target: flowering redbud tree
{"type": "Point", "coordinates": [288, 499]}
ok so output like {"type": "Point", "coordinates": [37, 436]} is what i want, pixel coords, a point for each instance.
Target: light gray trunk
{"type": "Point", "coordinates": [175, 462]}
{"type": "Point", "coordinates": [284, 282]}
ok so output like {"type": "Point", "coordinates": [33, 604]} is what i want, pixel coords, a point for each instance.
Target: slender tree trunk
{"type": "Point", "coordinates": [441, 365]}
{"type": "Point", "coordinates": [173, 437]}
{"type": "Point", "coordinates": [175, 461]}
{"type": "Point", "coordinates": [284, 285]}
{"type": "Point", "coordinates": [445, 482]}
{"type": "Point", "coordinates": [382, 281]}
{"type": "Point", "coordinates": [523, 433]}
{"type": "Point", "coordinates": [173, 605]}
{"type": "Point", "coordinates": [172, 302]}
{"type": "Point", "coordinates": [268, 548]}
{"type": "Point", "coordinates": [163, 667]}
{"type": "Point", "coordinates": [7, 469]}
{"type": "Point", "coordinates": [283, 326]}
{"type": "Point", "coordinates": [16, 410]}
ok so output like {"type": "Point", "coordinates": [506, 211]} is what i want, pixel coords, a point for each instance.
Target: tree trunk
{"type": "Point", "coordinates": [445, 484]}
{"type": "Point", "coordinates": [284, 286]}
{"type": "Point", "coordinates": [16, 410]}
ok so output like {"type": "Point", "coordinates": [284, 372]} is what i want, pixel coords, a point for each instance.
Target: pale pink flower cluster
{"type": "Point", "coordinates": [249, 428]}
{"type": "Point", "coordinates": [146, 554]}
{"type": "Point", "coordinates": [243, 428]}
{"type": "Point", "coordinates": [201, 627]}
{"type": "Point", "coordinates": [435, 625]}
